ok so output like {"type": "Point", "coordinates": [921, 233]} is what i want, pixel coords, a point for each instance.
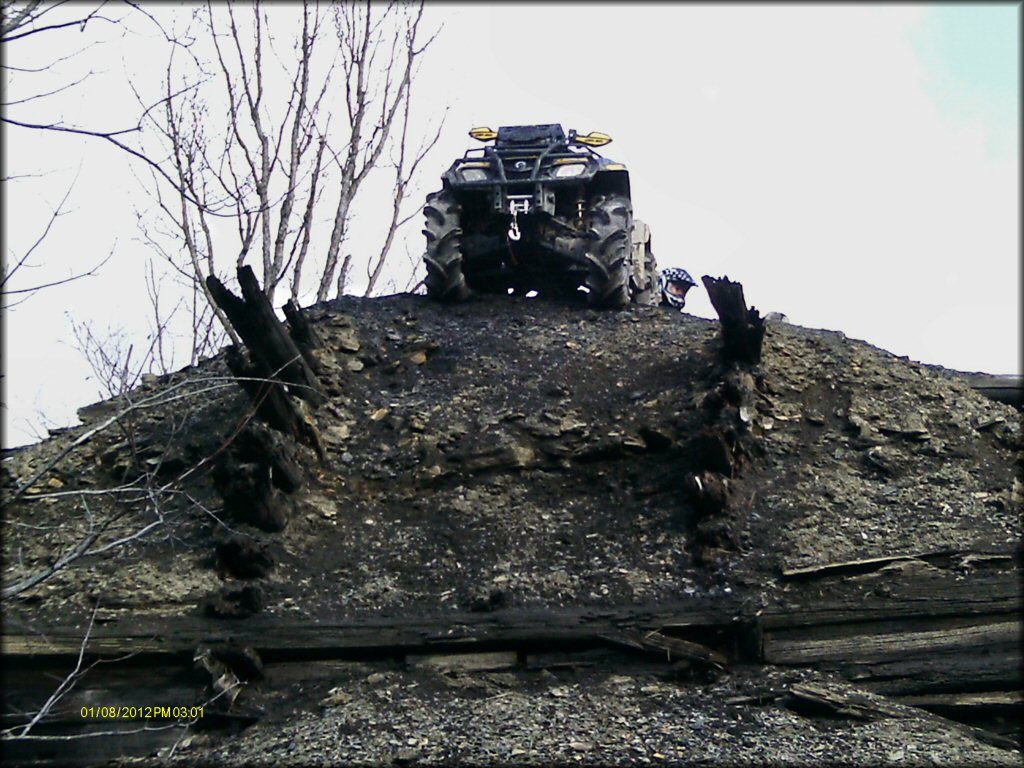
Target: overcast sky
{"type": "Point", "coordinates": [856, 167]}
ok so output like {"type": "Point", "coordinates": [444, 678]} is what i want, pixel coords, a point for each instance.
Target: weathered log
{"type": "Point", "coordinates": [742, 328]}
{"type": "Point", "coordinates": [253, 318]}
{"type": "Point", "coordinates": [840, 701]}
{"type": "Point", "coordinates": [884, 646]}
{"type": "Point", "coordinates": [460, 663]}
{"type": "Point", "coordinates": [1010, 703]}
{"type": "Point", "coordinates": [908, 628]}
{"type": "Point", "coordinates": [869, 564]}
{"type": "Point", "coordinates": [527, 629]}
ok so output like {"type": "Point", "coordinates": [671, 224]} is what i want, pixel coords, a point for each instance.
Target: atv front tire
{"type": "Point", "coordinates": [445, 281]}
{"type": "Point", "coordinates": [610, 224]}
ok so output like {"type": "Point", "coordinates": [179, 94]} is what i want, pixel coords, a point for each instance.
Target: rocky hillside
{"type": "Point", "coordinates": [513, 464]}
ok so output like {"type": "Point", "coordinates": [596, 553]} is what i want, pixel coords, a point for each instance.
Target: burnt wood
{"type": "Point", "coordinates": [269, 398]}
{"type": "Point", "coordinates": [254, 476]}
{"type": "Point", "coordinates": [252, 316]}
{"type": "Point", "coordinates": [742, 328]}
{"type": "Point", "coordinates": [303, 334]}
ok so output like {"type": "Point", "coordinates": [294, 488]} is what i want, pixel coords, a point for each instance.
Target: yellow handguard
{"type": "Point", "coordinates": [484, 134]}
{"type": "Point", "coordinates": [594, 139]}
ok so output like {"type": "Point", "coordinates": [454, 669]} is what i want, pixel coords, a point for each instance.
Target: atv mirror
{"type": "Point", "coordinates": [594, 139]}
{"type": "Point", "coordinates": [483, 134]}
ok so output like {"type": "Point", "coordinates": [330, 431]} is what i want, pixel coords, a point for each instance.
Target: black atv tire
{"type": "Point", "coordinates": [444, 281]}
{"type": "Point", "coordinates": [610, 224]}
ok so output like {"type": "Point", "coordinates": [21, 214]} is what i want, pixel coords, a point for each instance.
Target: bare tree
{"type": "Point", "coordinates": [275, 153]}
{"type": "Point", "coordinates": [112, 356]}
{"type": "Point", "coordinates": [35, 25]}
{"type": "Point", "coordinates": [254, 157]}
{"type": "Point", "coordinates": [36, 38]}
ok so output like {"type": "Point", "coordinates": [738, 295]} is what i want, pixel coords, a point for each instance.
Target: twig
{"type": "Point", "coordinates": [66, 685]}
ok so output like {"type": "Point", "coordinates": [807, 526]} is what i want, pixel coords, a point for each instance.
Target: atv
{"type": "Point", "coordinates": [538, 211]}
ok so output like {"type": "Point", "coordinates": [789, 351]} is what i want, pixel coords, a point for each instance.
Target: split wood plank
{"type": "Point", "coordinates": [841, 701]}
{"type": "Point", "coordinates": [860, 565]}
{"type": "Point", "coordinates": [671, 648]}
{"type": "Point", "coordinates": [880, 647]}
{"type": "Point", "coordinates": [811, 698]}
{"type": "Point", "coordinates": [901, 591]}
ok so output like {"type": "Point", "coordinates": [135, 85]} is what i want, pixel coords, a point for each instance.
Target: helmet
{"type": "Point", "coordinates": [674, 282]}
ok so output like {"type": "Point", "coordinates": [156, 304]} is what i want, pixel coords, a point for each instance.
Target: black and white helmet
{"type": "Point", "coordinates": [674, 282]}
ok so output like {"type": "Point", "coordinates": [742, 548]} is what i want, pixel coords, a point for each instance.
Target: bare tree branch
{"type": "Point", "coordinates": [403, 178]}
{"type": "Point", "coordinates": [57, 212]}
{"type": "Point", "coordinates": [273, 154]}
{"type": "Point", "coordinates": [54, 92]}
{"type": "Point", "coordinates": [33, 12]}
{"type": "Point", "coordinates": [110, 137]}
{"type": "Point", "coordinates": [65, 686]}
{"type": "Point", "coordinates": [90, 273]}
{"type": "Point", "coordinates": [81, 549]}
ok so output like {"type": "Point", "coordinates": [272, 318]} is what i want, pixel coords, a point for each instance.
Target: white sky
{"type": "Point", "coordinates": [856, 167]}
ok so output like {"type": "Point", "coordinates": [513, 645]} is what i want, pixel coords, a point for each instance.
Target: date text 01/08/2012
{"type": "Point", "coordinates": [142, 713]}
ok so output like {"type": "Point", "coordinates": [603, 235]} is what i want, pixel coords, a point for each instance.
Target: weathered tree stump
{"type": "Point", "coordinates": [718, 449]}
{"type": "Point", "coordinates": [249, 496]}
{"type": "Point", "coordinates": [271, 401]}
{"type": "Point", "coordinates": [742, 328]}
{"type": "Point", "coordinates": [276, 367]}
{"type": "Point", "coordinates": [253, 318]}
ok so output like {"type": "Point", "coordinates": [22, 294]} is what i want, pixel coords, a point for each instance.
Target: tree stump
{"type": "Point", "coordinates": [271, 401]}
{"type": "Point", "coordinates": [253, 318]}
{"type": "Point", "coordinates": [742, 328]}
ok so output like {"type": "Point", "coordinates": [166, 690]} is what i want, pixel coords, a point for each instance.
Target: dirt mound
{"type": "Point", "coordinates": [539, 451]}
{"type": "Point", "coordinates": [513, 458]}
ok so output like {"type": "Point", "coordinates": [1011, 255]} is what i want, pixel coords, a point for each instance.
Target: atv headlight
{"type": "Point", "coordinates": [473, 174]}
{"type": "Point", "coordinates": [569, 170]}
